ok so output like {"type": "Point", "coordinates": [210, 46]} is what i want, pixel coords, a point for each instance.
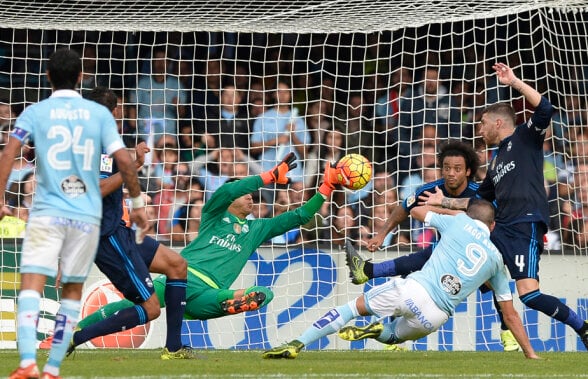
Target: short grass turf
{"type": "Point", "coordinates": [314, 364]}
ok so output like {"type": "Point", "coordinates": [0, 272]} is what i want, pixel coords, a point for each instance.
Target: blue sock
{"type": "Point", "coordinates": [65, 322]}
{"type": "Point", "coordinates": [124, 319]}
{"type": "Point", "coordinates": [175, 304]}
{"type": "Point", "coordinates": [384, 269]}
{"type": "Point", "coordinates": [412, 262]}
{"type": "Point", "coordinates": [331, 322]}
{"type": "Point", "coordinates": [27, 317]}
{"type": "Point", "coordinates": [552, 307]}
{"type": "Point", "coordinates": [402, 265]}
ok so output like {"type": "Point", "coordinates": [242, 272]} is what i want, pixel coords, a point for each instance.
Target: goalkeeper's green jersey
{"type": "Point", "coordinates": [225, 242]}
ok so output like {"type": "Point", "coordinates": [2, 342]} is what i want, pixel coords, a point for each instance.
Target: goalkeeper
{"type": "Point", "coordinates": [225, 242]}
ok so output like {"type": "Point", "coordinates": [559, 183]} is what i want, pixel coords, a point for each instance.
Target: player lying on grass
{"type": "Point", "coordinates": [225, 242]}
{"type": "Point", "coordinates": [463, 260]}
{"type": "Point", "coordinates": [459, 162]}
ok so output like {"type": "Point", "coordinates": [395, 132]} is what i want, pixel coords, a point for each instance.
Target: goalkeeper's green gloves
{"type": "Point", "coordinates": [278, 173]}
{"type": "Point", "coordinates": [331, 178]}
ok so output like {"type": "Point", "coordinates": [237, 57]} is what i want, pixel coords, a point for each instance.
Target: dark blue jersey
{"type": "Point", "coordinates": [112, 210]}
{"type": "Point", "coordinates": [412, 200]}
{"type": "Point", "coordinates": [514, 180]}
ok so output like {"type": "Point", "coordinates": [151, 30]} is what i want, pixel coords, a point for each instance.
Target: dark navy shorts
{"type": "Point", "coordinates": [521, 246]}
{"type": "Point", "coordinates": [126, 264]}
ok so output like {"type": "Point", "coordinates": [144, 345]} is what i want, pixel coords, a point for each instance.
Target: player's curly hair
{"type": "Point", "coordinates": [456, 148]}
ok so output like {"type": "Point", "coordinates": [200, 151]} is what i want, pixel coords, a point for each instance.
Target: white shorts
{"type": "Point", "coordinates": [53, 243]}
{"type": "Point", "coordinates": [417, 314]}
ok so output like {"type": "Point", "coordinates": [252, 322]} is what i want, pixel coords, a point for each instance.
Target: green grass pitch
{"type": "Point", "coordinates": [314, 364]}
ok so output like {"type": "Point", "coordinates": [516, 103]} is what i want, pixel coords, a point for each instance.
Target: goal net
{"type": "Point", "coordinates": [200, 81]}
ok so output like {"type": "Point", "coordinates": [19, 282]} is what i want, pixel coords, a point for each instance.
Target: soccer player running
{"type": "Point", "coordinates": [515, 183]}
{"type": "Point", "coordinates": [128, 264]}
{"type": "Point", "coordinates": [64, 224]}
{"type": "Point", "coordinates": [463, 260]}
{"type": "Point", "coordinates": [459, 163]}
{"type": "Point", "coordinates": [226, 240]}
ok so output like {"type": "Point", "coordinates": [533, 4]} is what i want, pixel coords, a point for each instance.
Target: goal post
{"type": "Point", "coordinates": [348, 65]}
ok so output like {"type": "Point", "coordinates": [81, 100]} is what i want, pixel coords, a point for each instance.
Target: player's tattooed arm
{"type": "Point", "coordinates": [437, 199]}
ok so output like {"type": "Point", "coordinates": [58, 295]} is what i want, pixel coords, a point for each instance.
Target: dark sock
{"type": "Point", "coordinates": [124, 319]}
{"type": "Point", "coordinates": [499, 311]}
{"type": "Point", "coordinates": [368, 269]}
{"type": "Point", "coordinates": [552, 307]}
{"type": "Point", "coordinates": [175, 305]}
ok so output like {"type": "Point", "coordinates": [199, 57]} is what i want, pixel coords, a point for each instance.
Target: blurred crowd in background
{"type": "Point", "coordinates": [207, 120]}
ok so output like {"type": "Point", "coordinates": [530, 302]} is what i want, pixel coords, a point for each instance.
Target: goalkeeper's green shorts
{"type": "Point", "coordinates": [203, 301]}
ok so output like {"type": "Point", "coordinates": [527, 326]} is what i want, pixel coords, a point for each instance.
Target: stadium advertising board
{"type": "Point", "coordinates": [307, 283]}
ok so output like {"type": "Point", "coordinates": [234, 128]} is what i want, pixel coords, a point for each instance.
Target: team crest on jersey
{"type": "Point", "coordinates": [450, 284]}
{"type": "Point", "coordinates": [410, 200]}
{"type": "Point", "coordinates": [106, 163]}
{"type": "Point", "coordinates": [509, 146]}
{"type": "Point", "coordinates": [73, 186]}
{"type": "Point", "coordinates": [237, 228]}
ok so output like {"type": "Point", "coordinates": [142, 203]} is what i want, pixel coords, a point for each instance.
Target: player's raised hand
{"type": "Point", "coordinates": [332, 177]}
{"type": "Point", "coordinates": [140, 150]}
{"type": "Point", "coordinates": [278, 173]}
{"type": "Point", "coordinates": [431, 198]}
{"type": "Point", "coordinates": [375, 242]}
{"type": "Point", "coordinates": [504, 73]}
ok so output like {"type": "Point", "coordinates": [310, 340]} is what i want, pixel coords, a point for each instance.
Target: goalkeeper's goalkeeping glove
{"type": "Point", "coordinates": [278, 173]}
{"type": "Point", "coordinates": [331, 178]}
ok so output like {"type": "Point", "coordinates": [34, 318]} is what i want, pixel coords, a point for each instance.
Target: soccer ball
{"type": "Point", "coordinates": [357, 169]}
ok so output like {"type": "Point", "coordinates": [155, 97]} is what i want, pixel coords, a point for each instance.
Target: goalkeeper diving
{"type": "Point", "coordinates": [225, 242]}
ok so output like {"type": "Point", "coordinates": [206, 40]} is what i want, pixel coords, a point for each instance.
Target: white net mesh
{"type": "Point", "coordinates": [348, 67]}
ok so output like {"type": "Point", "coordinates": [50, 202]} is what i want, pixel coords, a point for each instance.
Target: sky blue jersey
{"type": "Point", "coordinates": [69, 133]}
{"type": "Point", "coordinates": [464, 259]}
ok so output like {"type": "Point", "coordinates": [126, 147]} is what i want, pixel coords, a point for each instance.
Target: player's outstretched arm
{"type": "Point", "coordinates": [515, 325]}
{"type": "Point", "coordinates": [438, 199]}
{"type": "Point", "coordinates": [507, 77]}
{"type": "Point", "coordinates": [398, 215]}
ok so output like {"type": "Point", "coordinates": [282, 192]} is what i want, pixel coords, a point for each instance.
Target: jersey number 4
{"type": "Point", "coordinates": [520, 262]}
